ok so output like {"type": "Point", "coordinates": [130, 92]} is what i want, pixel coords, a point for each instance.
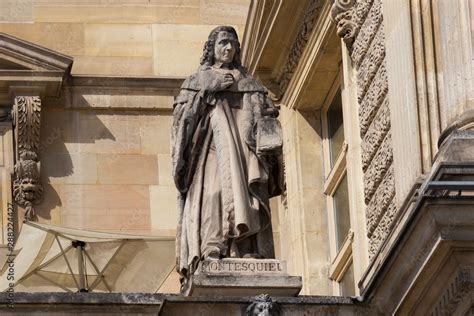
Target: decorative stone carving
{"type": "Point", "coordinates": [226, 156]}
{"type": "Point", "coordinates": [371, 63]}
{"type": "Point", "coordinates": [372, 140]}
{"type": "Point", "coordinates": [263, 305]}
{"type": "Point", "coordinates": [342, 12]}
{"type": "Point", "coordinates": [378, 167]}
{"type": "Point", "coordinates": [373, 99]}
{"type": "Point", "coordinates": [458, 289]}
{"type": "Point", "coordinates": [366, 33]}
{"type": "Point", "coordinates": [311, 14]}
{"type": "Point", "coordinates": [27, 189]}
{"type": "Point", "coordinates": [380, 201]}
{"type": "Point", "coordinates": [360, 24]}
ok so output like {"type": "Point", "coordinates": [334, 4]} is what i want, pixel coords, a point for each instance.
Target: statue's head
{"type": "Point", "coordinates": [27, 187]}
{"type": "Point", "coordinates": [263, 305]}
{"type": "Point", "coordinates": [222, 46]}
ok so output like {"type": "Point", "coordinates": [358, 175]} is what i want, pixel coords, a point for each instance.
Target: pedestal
{"type": "Point", "coordinates": [242, 277]}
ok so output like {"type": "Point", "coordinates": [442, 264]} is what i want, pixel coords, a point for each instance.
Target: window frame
{"type": "Point", "coordinates": [334, 172]}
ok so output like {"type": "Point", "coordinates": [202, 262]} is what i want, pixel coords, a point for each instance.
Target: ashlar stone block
{"type": "Point", "coordinates": [127, 169]}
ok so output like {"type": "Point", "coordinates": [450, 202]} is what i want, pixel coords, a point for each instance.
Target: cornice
{"type": "Point", "coordinates": [28, 69]}
{"type": "Point", "coordinates": [33, 56]}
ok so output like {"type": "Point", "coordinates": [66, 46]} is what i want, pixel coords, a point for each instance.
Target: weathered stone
{"type": "Point", "coordinates": [127, 169]}
{"type": "Point", "coordinates": [242, 277]}
{"type": "Point", "coordinates": [226, 150]}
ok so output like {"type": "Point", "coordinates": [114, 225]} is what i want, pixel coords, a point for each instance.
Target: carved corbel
{"type": "Point", "coordinates": [343, 14]}
{"type": "Point", "coordinates": [27, 189]}
{"type": "Point", "coordinates": [263, 304]}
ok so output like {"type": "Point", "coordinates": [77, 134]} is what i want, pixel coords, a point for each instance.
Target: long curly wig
{"type": "Point", "coordinates": [207, 58]}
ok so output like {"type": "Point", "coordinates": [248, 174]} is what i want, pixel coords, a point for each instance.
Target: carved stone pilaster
{"type": "Point", "coordinates": [27, 189]}
{"type": "Point", "coordinates": [360, 24]}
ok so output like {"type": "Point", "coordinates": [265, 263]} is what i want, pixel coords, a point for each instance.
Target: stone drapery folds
{"type": "Point", "coordinates": [224, 180]}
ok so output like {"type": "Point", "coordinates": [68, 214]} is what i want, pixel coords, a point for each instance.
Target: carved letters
{"type": "Point", "coordinates": [27, 189]}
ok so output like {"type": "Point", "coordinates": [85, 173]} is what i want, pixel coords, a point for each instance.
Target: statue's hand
{"type": "Point", "coordinates": [220, 82]}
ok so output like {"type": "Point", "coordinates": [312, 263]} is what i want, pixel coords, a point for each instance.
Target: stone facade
{"type": "Point", "coordinates": [366, 45]}
{"type": "Point", "coordinates": [404, 70]}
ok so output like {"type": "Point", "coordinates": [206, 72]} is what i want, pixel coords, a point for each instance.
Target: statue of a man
{"type": "Point", "coordinates": [226, 150]}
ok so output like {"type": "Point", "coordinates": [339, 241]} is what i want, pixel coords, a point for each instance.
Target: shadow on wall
{"type": "Point", "coordinates": [67, 152]}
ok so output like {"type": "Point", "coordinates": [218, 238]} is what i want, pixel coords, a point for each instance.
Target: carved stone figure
{"type": "Point", "coordinates": [342, 12]}
{"type": "Point", "coordinates": [27, 189]}
{"type": "Point", "coordinates": [226, 152]}
{"type": "Point", "coordinates": [263, 305]}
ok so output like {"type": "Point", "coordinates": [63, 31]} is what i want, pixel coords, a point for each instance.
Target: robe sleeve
{"type": "Point", "coordinates": [189, 109]}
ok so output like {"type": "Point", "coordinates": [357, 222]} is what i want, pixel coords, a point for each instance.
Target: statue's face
{"type": "Point", "coordinates": [225, 47]}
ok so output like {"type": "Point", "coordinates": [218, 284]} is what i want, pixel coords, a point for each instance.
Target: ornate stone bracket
{"type": "Point", "coordinates": [27, 189]}
{"type": "Point", "coordinates": [343, 13]}
{"type": "Point", "coordinates": [263, 304]}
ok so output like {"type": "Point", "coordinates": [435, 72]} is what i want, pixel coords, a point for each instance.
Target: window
{"type": "Point", "coordinates": [337, 195]}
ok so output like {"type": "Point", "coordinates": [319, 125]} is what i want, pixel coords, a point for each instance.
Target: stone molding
{"type": "Point", "coordinates": [427, 83]}
{"type": "Point", "coordinates": [30, 68]}
{"type": "Point", "coordinates": [360, 25]}
{"type": "Point", "coordinates": [170, 305]}
{"type": "Point", "coordinates": [424, 267]}
{"type": "Point", "coordinates": [312, 13]}
{"type": "Point", "coordinates": [285, 44]}
{"type": "Point", "coordinates": [455, 292]}
{"type": "Point", "coordinates": [27, 189]}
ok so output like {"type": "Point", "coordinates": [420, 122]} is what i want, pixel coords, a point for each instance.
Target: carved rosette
{"type": "Point", "coordinates": [27, 189]}
{"type": "Point", "coordinates": [343, 14]}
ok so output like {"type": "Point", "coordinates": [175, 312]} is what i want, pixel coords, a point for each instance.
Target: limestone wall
{"type": "Point", "coordinates": [123, 37]}
{"type": "Point", "coordinates": [105, 153]}
{"type": "Point", "coordinates": [107, 171]}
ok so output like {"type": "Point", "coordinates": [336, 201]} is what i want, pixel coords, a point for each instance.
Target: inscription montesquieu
{"type": "Point", "coordinates": [243, 266]}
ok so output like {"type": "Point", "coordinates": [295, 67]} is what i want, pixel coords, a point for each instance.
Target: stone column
{"type": "Point", "coordinates": [27, 189]}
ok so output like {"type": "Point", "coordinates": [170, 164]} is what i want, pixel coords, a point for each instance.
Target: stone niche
{"type": "Point", "coordinates": [242, 277]}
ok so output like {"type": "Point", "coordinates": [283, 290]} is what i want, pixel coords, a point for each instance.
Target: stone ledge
{"type": "Point", "coordinates": [245, 285]}
{"type": "Point", "coordinates": [242, 277]}
{"type": "Point", "coordinates": [159, 83]}
{"type": "Point", "coordinates": [171, 304]}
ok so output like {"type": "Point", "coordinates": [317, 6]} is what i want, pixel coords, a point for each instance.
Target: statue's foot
{"type": "Point", "coordinates": [252, 256]}
{"type": "Point", "coordinates": [213, 254]}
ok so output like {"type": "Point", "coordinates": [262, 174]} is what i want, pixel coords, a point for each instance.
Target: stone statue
{"type": "Point", "coordinates": [226, 152]}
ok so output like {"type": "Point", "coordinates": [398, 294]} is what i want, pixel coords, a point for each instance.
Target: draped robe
{"type": "Point", "coordinates": [224, 185]}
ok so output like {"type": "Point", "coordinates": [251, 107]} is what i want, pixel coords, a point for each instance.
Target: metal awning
{"type": "Point", "coordinates": [52, 258]}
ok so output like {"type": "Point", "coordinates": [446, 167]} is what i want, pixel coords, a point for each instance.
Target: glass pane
{"type": "Point", "coordinates": [341, 212]}
{"type": "Point", "coordinates": [347, 282]}
{"type": "Point", "coordinates": [335, 126]}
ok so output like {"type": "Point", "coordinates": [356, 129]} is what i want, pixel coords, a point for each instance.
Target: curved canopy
{"type": "Point", "coordinates": [51, 258]}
